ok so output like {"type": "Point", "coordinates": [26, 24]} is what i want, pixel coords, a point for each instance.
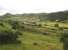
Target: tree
{"type": "Point", "coordinates": [7, 34]}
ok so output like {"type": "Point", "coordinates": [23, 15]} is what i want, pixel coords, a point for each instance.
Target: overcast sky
{"type": "Point", "coordinates": [32, 6]}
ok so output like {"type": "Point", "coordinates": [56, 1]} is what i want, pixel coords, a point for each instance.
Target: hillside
{"type": "Point", "coordinates": [40, 31]}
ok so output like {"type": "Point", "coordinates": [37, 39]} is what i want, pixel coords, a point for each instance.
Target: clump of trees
{"type": "Point", "coordinates": [64, 39]}
{"type": "Point", "coordinates": [61, 16]}
{"type": "Point", "coordinates": [9, 37]}
{"type": "Point", "coordinates": [8, 34]}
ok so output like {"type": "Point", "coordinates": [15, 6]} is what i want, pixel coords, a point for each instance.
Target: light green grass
{"type": "Point", "coordinates": [44, 42]}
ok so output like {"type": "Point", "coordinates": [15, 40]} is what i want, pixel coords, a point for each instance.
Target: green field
{"type": "Point", "coordinates": [43, 42]}
{"type": "Point", "coordinates": [38, 32]}
{"type": "Point", "coordinates": [28, 39]}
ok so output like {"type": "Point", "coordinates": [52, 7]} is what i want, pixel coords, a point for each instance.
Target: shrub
{"type": "Point", "coordinates": [65, 27]}
{"type": "Point", "coordinates": [1, 24]}
{"type": "Point", "coordinates": [40, 25]}
{"type": "Point", "coordinates": [46, 33]}
{"type": "Point", "coordinates": [64, 36]}
{"type": "Point", "coordinates": [8, 37]}
{"type": "Point", "coordinates": [45, 24]}
{"type": "Point", "coordinates": [35, 43]}
{"type": "Point", "coordinates": [53, 29]}
{"type": "Point", "coordinates": [18, 33]}
{"type": "Point", "coordinates": [64, 39]}
{"type": "Point", "coordinates": [61, 28]}
{"type": "Point", "coordinates": [56, 25]}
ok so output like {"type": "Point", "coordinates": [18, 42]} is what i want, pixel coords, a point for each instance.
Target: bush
{"type": "Point", "coordinates": [64, 39]}
{"type": "Point", "coordinates": [9, 32]}
{"type": "Point", "coordinates": [56, 25]}
{"type": "Point", "coordinates": [1, 24]}
{"type": "Point", "coordinates": [46, 33]}
{"type": "Point", "coordinates": [64, 36]}
{"type": "Point", "coordinates": [65, 27]}
{"type": "Point", "coordinates": [53, 29]}
{"type": "Point", "coordinates": [18, 33]}
{"type": "Point", "coordinates": [61, 28]}
{"type": "Point", "coordinates": [8, 37]}
{"type": "Point", "coordinates": [45, 24]}
{"type": "Point", "coordinates": [35, 43]}
{"type": "Point", "coordinates": [40, 25]}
